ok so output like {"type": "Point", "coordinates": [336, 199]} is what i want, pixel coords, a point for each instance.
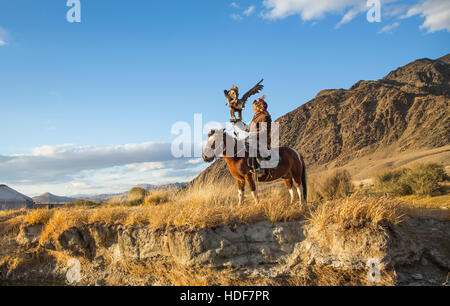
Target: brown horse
{"type": "Point", "coordinates": [291, 167]}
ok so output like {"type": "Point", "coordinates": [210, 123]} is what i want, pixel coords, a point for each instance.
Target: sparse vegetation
{"type": "Point", "coordinates": [38, 216]}
{"type": "Point", "coordinates": [81, 203]}
{"type": "Point", "coordinates": [425, 179]}
{"type": "Point", "coordinates": [334, 185]}
{"type": "Point", "coordinates": [136, 196]}
{"type": "Point", "coordinates": [158, 197]}
{"type": "Point", "coordinates": [357, 209]}
{"type": "Point", "coordinates": [421, 179]}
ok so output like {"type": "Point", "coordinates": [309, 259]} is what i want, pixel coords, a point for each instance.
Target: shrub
{"type": "Point", "coordinates": [157, 197]}
{"type": "Point", "coordinates": [421, 179]}
{"type": "Point", "coordinates": [337, 184]}
{"type": "Point", "coordinates": [424, 179]}
{"type": "Point", "coordinates": [392, 181]}
{"type": "Point", "coordinates": [136, 196]}
{"type": "Point", "coordinates": [81, 203]}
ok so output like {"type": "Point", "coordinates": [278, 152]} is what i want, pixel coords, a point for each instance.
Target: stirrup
{"type": "Point", "coordinates": [258, 171]}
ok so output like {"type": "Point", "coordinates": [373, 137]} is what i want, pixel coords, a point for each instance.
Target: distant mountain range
{"type": "Point", "coordinates": [48, 198]}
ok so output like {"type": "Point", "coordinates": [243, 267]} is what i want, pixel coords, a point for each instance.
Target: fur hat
{"type": "Point", "coordinates": [260, 104]}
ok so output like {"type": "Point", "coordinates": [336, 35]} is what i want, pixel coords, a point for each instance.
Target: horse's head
{"type": "Point", "coordinates": [214, 146]}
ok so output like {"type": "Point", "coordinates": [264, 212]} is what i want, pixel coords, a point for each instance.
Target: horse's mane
{"type": "Point", "coordinates": [224, 133]}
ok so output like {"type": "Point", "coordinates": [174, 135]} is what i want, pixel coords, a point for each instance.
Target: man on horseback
{"type": "Point", "coordinates": [260, 129]}
{"type": "Point", "coordinates": [243, 156]}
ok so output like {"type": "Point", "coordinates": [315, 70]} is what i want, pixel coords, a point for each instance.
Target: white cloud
{"type": "Point", "coordinates": [435, 12]}
{"type": "Point", "coordinates": [195, 161]}
{"type": "Point", "coordinates": [68, 169]}
{"type": "Point", "coordinates": [389, 28]}
{"type": "Point", "coordinates": [145, 167]}
{"type": "Point", "coordinates": [250, 10]}
{"type": "Point", "coordinates": [236, 17]}
{"type": "Point", "coordinates": [307, 9]}
{"type": "Point", "coordinates": [234, 5]}
{"type": "Point", "coordinates": [350, 15]}
{"type": "Point", "coordinates": [3, 36]}
{"type": "Point", "coordinates": [394, 10]}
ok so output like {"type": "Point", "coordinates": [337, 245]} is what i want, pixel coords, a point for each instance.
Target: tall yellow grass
{"type": "Point", "coordinates": [357, 208]}
{"type": "Point", "coordinates": [213, 205]}
{"type": "Point", "coordinates": [332, 185]}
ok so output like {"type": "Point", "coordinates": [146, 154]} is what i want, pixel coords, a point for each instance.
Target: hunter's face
{"type": "Point", "coordinates": [255, 109]}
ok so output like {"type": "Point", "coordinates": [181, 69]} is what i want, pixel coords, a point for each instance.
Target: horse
{"type": "Point", "coordinates": [291, 166]}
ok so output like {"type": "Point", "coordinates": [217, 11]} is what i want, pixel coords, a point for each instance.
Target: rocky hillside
{"type": "Point", "coordinates": [405, 111]}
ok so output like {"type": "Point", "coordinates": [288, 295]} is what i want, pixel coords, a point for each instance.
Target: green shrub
{"type": "Point", "coordinates": [424, 179]}
{"type": "Point", "coordinates": [136, 196]}
{"type": "Point", "coordinates": [421, 179]}
{"type": "Point", "coordinates": [392, 182]}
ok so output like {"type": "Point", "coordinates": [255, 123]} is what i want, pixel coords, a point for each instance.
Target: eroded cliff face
{"type": "Point", "coordinates": [260, 254]}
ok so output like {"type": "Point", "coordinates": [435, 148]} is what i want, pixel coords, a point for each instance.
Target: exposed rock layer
{"type": "Point", "coordinates": [420, 246]}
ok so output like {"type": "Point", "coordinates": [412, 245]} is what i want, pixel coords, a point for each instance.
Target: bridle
{"type": "Point", "coordinates": [221, 148]}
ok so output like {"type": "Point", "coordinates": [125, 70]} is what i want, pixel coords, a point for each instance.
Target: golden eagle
{"type": "Point", "coordinates": [237, 105]}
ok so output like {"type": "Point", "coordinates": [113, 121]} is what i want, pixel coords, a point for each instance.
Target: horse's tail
{"type": "Point", "coordinates": [305, 187]}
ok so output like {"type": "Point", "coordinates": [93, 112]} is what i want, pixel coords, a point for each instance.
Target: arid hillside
{"type": "Point", "coordinates": [406, 111]}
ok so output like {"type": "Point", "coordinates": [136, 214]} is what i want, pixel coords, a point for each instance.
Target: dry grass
{"type": "Point", "coordinates": [319, 275]}
{"type": "Point", "coordinates": [212, 206]}
{"type": "Point", "coordinates": [196, 208]}
{"type": "Point", "coordinates": [38, 216]}
{"type": "Point", "coordinates": [168, 272]}
{"type": "Point", "coordinates": [358, 208]}
{"type": "Point", "coordinates": [11, 226]}
{"type": "Point", "coordinates": [159, 197]}
{"type": "Point", "coordinates": [62, 220]}
{"type": "Point", "coordinates": [329, 186]}
{"type": "Point", "coordinates": [442, 201]}
{"type": "Point", "coordinates": [8, 214]}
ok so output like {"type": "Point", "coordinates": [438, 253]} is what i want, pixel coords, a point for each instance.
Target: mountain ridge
{"type": "Point", "coordinates": [406, 110]}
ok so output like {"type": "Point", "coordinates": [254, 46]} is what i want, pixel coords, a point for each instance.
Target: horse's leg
{"type": "Point", "coordinates": [297, 175]}
{"type": "Point", "coordinates": [241, 190]}
{"type": "Point", "coordinates": [251, 183]}
{"type": "Point", "coordinates": [290, 186]}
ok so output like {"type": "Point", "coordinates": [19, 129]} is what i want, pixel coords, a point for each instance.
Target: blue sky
{"type": "Point", "coordinates": [88, 107]}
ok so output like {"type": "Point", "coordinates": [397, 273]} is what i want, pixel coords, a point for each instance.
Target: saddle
{"type": "Point", "coordinates": [264, 162]}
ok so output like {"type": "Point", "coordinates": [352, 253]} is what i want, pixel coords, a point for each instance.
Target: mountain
{"type": "Point", "coordinates": [405, 111]}
{"type": "Point", "coordinates": [162, 187]}
{"type": "Point", "coordinates": [48, 198]}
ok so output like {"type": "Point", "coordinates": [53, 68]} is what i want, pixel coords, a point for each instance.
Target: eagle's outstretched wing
{"type": "Point", "coordinates": [226, 92]}
{"type": "Point", "coordinates": [258, 87]}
